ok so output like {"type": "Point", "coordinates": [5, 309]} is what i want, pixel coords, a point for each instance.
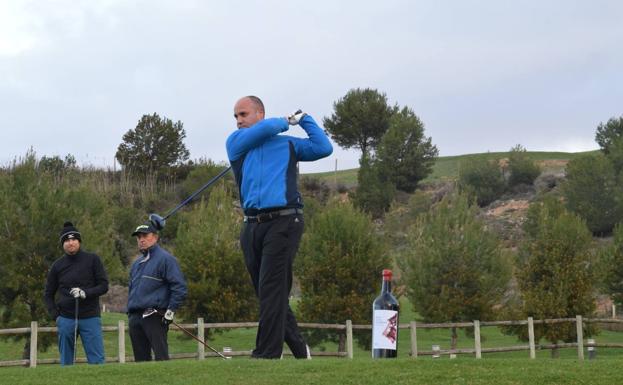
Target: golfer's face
{"type": "Point", "coordinates": [145, 241]}
{"type": "Point", "coordinates": [71, 246]}
{"type": "Point", "coordinates": [247, 113]}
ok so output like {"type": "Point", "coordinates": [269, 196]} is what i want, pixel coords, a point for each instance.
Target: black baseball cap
{"type": "Point", "coordinates": [145, 228]}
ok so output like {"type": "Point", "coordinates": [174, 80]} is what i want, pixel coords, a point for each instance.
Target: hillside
{"type": "Point", "coordinates": [447, 167]}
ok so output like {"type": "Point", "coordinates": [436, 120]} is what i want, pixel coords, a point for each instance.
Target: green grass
{"type": "Point", "coordinates": [403, 370]}
{"type": "Point", "coordinates": [447, 167]}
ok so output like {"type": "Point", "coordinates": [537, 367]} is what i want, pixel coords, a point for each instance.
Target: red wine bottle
{"type": "Point", "coordinates": [385, 321]}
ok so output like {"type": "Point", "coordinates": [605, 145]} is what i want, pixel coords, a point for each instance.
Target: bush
{"type": "Point", "coordinates": [554, 271]}
{"type": "Point", "coordinates": [374, 193]}
{"type": "Point", "coordinates": [609, 136]}
{"type": "Point", "coordinates": [614, 261]}
{"type": "Point", "coordinates": [591, 191]}
{"type": "Point", "coordinates": [455, 270]}
{"type": "Point", "coordinates": [522, 169]}
{"type": "Point", "coordinates": [339, 267]}
{"type": "Point", "coordinates": [219, 287]}
{"type": "Point", "coordinates": [315, 187]}
{"type": "Point", "coordinates": [482, 179]}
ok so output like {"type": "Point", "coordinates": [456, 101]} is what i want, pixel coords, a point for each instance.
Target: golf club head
{"type": "Point", "coordinates": [157, 221]}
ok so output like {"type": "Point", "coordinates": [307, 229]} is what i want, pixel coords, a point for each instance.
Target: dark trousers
{"type": "Point", "coordinates": [148, 334]}
{"type": "Point", "coordinates": [269, 249]}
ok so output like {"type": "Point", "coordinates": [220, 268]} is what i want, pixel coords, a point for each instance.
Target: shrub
{"type": "Point", "coordinates": [219, 287]}
{"type": "Point", "coordinates": [482, 179]}
{"type": "Point", "coordinates": [609, 136]}
{"type": "Point", "coordinates": [554, 271]}
{"type": "Point", "coordinates": [455, 270]}
{"type": "Point", "coordinates": [522, 169]}
{"type": "Point", "coordinates": [374, 193]}
{"type": "Point", "coordinates": [591, 191]}
{"type": "Point", "coordinates": [338, 267]}
{"type": "Point", "coordinates": [614, 261]}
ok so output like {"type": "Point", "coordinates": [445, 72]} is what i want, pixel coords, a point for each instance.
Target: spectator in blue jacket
{"type": "Point", "coordinates": [157, 289]}
{"type": "Point", "coordinates": [265, 167]}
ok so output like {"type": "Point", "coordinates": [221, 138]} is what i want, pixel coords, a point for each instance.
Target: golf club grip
{"type": "Point", "coordinates": [193, 195]}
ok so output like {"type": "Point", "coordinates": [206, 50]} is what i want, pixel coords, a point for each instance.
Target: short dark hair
{"type": "Point", "coordinates": [257, 101]}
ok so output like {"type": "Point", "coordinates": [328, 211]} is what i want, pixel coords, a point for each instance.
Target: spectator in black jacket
{"type": "Point", "coordinates": [79, 279]}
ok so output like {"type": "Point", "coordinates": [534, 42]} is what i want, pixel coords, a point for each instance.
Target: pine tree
{"type": "Point", "coordinates": [338, 267]}
{"type": "Point", "coordinates": [455, 270]}
{"type": "Point", "coordinates": [207, 247]}
{"type": "Point", "coordinates": [554, 271]}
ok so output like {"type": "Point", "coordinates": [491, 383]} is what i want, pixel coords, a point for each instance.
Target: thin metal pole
{"type": "Point", "coordinates": [76, 328]}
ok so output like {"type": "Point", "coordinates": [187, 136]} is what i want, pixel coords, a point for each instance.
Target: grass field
{"type": "Point", "coordinates": [245, 371]}
{"type": "Point", "coordinates": [447, 167]}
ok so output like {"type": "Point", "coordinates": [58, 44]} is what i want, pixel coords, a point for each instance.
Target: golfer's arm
{"type": "Point", "coordinates": [244, 139]}
{"type": "Point", "coordinates": [317, 144]}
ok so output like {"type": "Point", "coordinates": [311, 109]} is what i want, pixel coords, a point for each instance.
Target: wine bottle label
{"type": "Point", "coordinates": [384, 329]}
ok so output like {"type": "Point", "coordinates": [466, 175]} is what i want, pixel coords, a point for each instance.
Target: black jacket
{"type": "Point", "coordinates": [83, 270]}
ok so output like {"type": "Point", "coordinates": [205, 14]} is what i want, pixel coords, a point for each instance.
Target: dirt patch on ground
{"type": "Point", "coordinates": [553, 164]}
{"type": "Point", "coordinates": [506, 218]}
{"type": "Point", "coordinates": [509, 207]}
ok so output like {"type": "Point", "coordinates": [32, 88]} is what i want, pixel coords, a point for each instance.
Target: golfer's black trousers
{"type": "Point", "coordinates": [148, 334]}
{"type": "Point", "coordinates": [269, 249]}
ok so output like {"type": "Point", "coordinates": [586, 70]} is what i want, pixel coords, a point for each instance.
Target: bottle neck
{"type": "Point", "coordinates": [387, 287]}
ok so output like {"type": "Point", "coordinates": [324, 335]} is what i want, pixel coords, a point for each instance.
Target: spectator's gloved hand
{"type": "Point", "coordinates": [168, 317]}
{"type": "Point", "coordinates": [295, 117]}
{"type": "Point", "coordinates": [77, 292]}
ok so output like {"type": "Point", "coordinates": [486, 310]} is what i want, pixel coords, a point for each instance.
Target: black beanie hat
{"type": "Point", "coordinates": [69, 232]}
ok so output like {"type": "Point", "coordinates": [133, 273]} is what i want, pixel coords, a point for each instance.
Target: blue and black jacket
{"type": "Point", "coordinates": [156, 281]}
{"type": "Point", "coordinates": [264, 162]}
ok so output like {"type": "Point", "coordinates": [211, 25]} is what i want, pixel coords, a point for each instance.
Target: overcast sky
{"type": "Point", "coordinates": [75, 75]}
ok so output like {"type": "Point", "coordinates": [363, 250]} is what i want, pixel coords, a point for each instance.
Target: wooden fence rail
{"type": "Point", "coordinates": [200, 327]}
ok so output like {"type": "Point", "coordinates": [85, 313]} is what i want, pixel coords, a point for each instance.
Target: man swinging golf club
{"type": "Point", "coordinates": [156, 290]}
{"type": "Point", "coordinates": [80, 279]}
{"type": "Point", "coordinates": [264, 164]}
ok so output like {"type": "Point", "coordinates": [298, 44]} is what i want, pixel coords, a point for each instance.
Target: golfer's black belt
{"type": "Point", "coordinates": [270, 215]}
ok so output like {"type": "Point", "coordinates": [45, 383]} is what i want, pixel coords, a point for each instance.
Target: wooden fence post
{"type": "Point", "coordinates": [121, 341]}
{"type": "Point", "coordinates": [477, 339]}
{"type": "Point", "coordinates": [413, 328]}
{"type": "Point", "coordinates": [531, 337]}
{"type": "Point", "coordinates": [201, 351]}
{"type": "Point", "coordinates": [349, 339]}
{"type": "Point", "coordinates": [580, 333]}
{"type": "Point", "coordinates": [33, 344]}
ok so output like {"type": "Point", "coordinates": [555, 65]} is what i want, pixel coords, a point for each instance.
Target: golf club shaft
{"type": "Point", "coordinates": [193, 195]}
{"type": "Point", "coordinates": [196, 338]}
{"type": "Point", "coordinates": [76, 328]}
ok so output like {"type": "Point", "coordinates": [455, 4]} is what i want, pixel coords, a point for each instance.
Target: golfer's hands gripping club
{"type": "Point", "coordinates": [77, 292]}
{"type": "Point", "coordinates": [295, 117]}
{"type": "Point", "coordinates": [168, 317]}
